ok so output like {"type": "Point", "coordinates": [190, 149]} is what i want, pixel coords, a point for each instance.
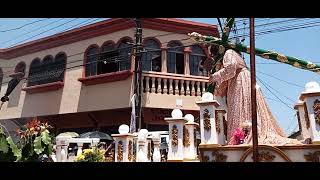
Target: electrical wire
{"type": "Point", "coordinates": [20, 27]}
{"type": "Point", "coordinates": [43, 32]}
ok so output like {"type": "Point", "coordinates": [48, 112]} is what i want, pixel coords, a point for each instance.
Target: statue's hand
{"type": "Point", "coordinates": [212, 78]}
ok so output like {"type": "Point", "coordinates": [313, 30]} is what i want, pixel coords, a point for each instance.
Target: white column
{"type": "Point", "coordinates": [176, 123]}
{"type": "Point", "coordinates": [208, 130]}
{"type": "Point", "coordinates": [58, 153]}
{"type": "Point", "coordinates": [187, 88]}
{"type": "Point", "coordinates": [153, 84]}
{"type": "Point", "coordinates": [198, 89]}
{"type": "Point", "coordinates": [165, 89]}
{"type": "Point", "coordinates": [164, 59]}
{"type": "Point", "coordinates": [64, 153]}
{"type": "Point", "coordinates": [182, 87]}
{"type": "Point", "coordinates": [79, 148]}
{"type": "Point", "coordinates": [176, 87]}
{"type": "Point", "coordinates": [187, 52]}
{"type": "Point", "coordinates": [170, 86]}
{"type": "Point", "coordinates": [142, 139]}
{"type": "Point", "coordinates": [148, 149]}
{"type": "Point", "coordinates": [193, 93]}
{"type": "Point", "coordinates": [123, 145]}
{"type": "Point", "coordinates": [190, 152]}
{"type": "Point", "coordinates": [303, 120]}
{"type": "Point", "coordinates": [311, 96]}
{"type": "Point", "coordinates": [156, 149]}
{"type": "Point", "coordinates": [219, 119]}
{"type": "Point", "coordinates": [147, 85]}
{"type": "Point", "coordinates": [159, 91]}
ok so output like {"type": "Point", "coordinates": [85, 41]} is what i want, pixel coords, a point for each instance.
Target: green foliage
{"type": "Point", "coordinates": [4, 146]}
{"type": "Point", "coordinates": [91, 155]}
{"type": "Point", "coordinates": [8, 152]}
{"type": "Point", "coordinates": [37, 145]}
{"type": "Point", "coordinates": [45, 137]}
{"type": "Point", "coordinates": [14, 148]}
{"type": "Point", "coordinates": [34, 144]}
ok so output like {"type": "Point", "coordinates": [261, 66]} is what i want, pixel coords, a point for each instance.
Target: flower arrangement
{"type": "Point", "coordinates": [91, 155]}
{"type": "Point", "coordinates": [241, 133]}
{"type": "Point", "coordinates": [34, 144]}
{"type": "Point", "coordinates": [35, 141]}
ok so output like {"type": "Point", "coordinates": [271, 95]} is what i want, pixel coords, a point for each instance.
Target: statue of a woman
{"type": "Point", "coordinates": [233, 80]}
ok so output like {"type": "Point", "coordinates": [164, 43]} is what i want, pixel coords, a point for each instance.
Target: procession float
{"type": "Point", "coordinates": [232, 131]}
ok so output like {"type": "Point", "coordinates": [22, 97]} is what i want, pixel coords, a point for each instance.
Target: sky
{"type": "Point", "coordinates": [300, 43]}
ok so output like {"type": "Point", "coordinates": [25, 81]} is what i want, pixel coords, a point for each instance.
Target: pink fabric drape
{"type": "Point", "coordinates": [233, 80]}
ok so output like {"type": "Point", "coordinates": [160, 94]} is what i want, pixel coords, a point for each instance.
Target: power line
{"type": "Point", "coordinates": [105, 60]}
{"type": "Point", "coordinates": [290, 83]}
{"type": "Point", "coordinates": [43, 32]}
{"type": "Point", "coordinates": [172, 48]}
{"type": "Point", "coordinates": [274, 94]}
{"type": "Point", "coordinates": [274, 23]}
{"type": "Point", "coordinates": [13, 29]}
{"type": "Point", "coordinates": [263, 26]}
{"type": "Point", "coordinates": [89, 20]}
{"type": "Point", "coordinates": [7, 73]}
{"type": "Point", "coordinates": [86, 22]}
{"type": "Point", "coordinates": [281, 94]}
{"type": "Point", "coordinates": [32, 31]}
{"type": "Point", "coordinates": [286, 28]}
{"type": "Point", "coordinates": [290, 125]}
{"type": "Point", "coordinates": [77, 24]}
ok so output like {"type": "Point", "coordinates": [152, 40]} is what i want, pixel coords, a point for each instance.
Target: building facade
{"type": "Point", "coordinates": [84, 78]}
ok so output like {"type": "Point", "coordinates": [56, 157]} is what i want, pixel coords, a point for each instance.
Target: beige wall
{"type": "Point", "coordinates": [75, 97]}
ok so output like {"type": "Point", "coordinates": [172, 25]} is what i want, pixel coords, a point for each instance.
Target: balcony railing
{"type": "Point", "coordinates": [174, 84]}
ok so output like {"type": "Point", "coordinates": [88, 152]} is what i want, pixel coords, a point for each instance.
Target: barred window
{"type": "Point", "coordinates": [92, 56]}
{"type": "Point", "coordinates": [48, 71]}
{"type": "Point", "coordinates": [60, 62]}
{"type": "Point", "coordinates": [20, 67]}
{"type": "Point", "coordinates": [124, 50]}
{"type": "Point", "coordinates": [35, 70]}
{"type": "Point", "coordinates": [151, 60]}
{"type": "Point", "coordinates": [175, 57]}
{"type": "Point", "coordinates": [196, 59]}
{"type": "Point", "coordinates": [108, 57]}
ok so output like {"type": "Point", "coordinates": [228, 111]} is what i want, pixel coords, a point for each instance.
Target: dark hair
{"type": "Point", "coordinates": [214, 49]}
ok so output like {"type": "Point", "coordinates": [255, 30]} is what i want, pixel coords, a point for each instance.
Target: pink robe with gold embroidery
{"type": "Point", "coordinates": [233, 80]}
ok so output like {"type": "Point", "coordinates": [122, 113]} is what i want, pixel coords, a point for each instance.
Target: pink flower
{"type": "Point", "coordinates": [238, 136]}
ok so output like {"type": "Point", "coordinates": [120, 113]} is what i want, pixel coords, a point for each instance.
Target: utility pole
{"type": "Point", "coordinates": [253, 92]}
{"type": "Point", "coordinates": [138, 72]}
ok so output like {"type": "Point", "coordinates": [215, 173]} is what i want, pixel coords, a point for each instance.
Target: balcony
{"type": "Point", "coordinates": [161, 90]}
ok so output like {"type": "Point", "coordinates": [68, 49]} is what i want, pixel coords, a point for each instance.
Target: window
{"type": "Point", "coordinates": [59, 68]}
{"type": "Point", "coordinates": [34, 72]}
{"type": "Point", "coordinates": [91, 61]}
{"type": "Point", "coordinates": [124, 50]}
{"type": "Point", "coordinates": [196, 58]}
{"type": "Point", "coordinates": [151, 60]}
{"type": "Point", "coordinates": [175, 58]}
{"type": "Point", "coordinates": [48, 71]}
{"type": "Point", "coordinates": [108, 56]}
{"type": "Point", "coordinates": [20, 68]}
{"type": "Point", "coordinates": [44, 75]}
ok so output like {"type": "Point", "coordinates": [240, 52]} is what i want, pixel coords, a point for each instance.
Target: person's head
{"type": "Point", "coordinates": [214, 50]}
